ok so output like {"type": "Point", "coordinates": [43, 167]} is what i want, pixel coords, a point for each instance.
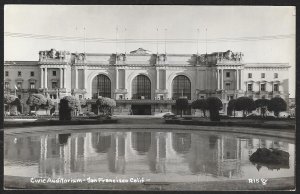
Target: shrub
{"type": "Point", "coordinates": [262, 104]}
{"type": "Point", "coordinates": [49, 104]}
{"type": "Point", "coordinates": [277, 105]}
{"type": "Point", "coordinates": [13, 103]}
{"type": "Point", "coordinates": [8, 99]}
{"type": "Point", "coordinates": [37, 101]}
{"type": "Point", "coordinates": [182, 104]}
{"type": "Point", "coordinates": [200, 104]}
{"type": "Point", "coordinates": [231, 106]}
{"type": "Point", "coordinates": [245, 104]}
{"type": "Point", "coordinates": [214, 105]}
{"type": "Point", "coordinates": [105, 105]}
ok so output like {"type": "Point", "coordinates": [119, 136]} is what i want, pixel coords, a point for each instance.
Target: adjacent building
{"type": "Point", "coordinates": [142, 82]}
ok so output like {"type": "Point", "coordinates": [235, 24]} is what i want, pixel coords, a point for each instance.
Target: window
{"type": "Point", "coordinates": [80, 96]}
{"type": "Point", "coordinates": [141, 87]}
{"type": "Point", "coordinates": [101, 86]}
{"type": "Point", "coordinates": [32, 73]}
{"type": "Point", "coordinates": [19, 96]}
{"type": "Point", "coordinates": [249, 75]}
{"type": "Point", "coordinates": [250, 88]}
{"type": "Point", "coordinates": [6, 85]}
{"type": "Point", "coordinates": [181, 87]}
{"type": "Point", "coordinates": [227, 86]}
{"type": "Point", "coordinates": [263, 75]}
{"type": "Point", "coordinates": [227, 74]}
{"type": "Point", "coordinates": [54, 73]}
{"type": "Point", "coordinates": [161, 97]}
{"type": "Point", "coordinates": [6, 73]}
{"type": "Point", "coordinates": [19, 73]}
{"type": "Point", "coordinates": [19, 85]}
{"type": "Point", "coordinates": [263, 87]}
{"type": "Point", "coordinates": [276, 89]}
{"type": "Point", "coordinates": [32, 85]}
{"type": "Point", "coordinates": [54, 85]}
{"type": "Point", "coordinates": [120, 97]}
{"type": "Point", "coordinates": [275, 75]}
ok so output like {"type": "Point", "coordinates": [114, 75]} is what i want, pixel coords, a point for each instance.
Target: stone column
{"type": "Point", "coordinates": [117, 79]}
{"type": "Point", "coordinates": [60, 77]}
{"type": "Point", "coordinates": [222, 78]}
{"type": "Point", "coordinates": [218, 78]}
{"type": "Point", "coordinates": [64, 79]}
{"type": "Point", "coordinates": [126, 84]}
{"type": "Point", "coordinates": [76, 78]}
{"type": "Point", "coordinates": [157, 79]}
{"type": "Point", "coordinates": [46, 76]}
{"type": "Point", "coordinates": [242, 80]}
{"type": "Point", "coordinates": [206, 80]}
{"type": "Point", "coordinates": [42, 77]}
{"type": "Point", "coordinates": [84, 78]}
{"type": "Point", "coordinates": [237, 80]}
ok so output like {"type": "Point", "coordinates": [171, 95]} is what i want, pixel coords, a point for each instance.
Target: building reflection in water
{"type": "Point", "coordinates": [136, 152]}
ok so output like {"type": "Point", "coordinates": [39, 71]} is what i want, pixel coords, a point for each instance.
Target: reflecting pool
{"type": "Point", "coordinates": [156, 156]}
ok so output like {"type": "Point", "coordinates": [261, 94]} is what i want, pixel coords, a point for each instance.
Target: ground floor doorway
{"type": "Point", "coordinates": [141, 109]}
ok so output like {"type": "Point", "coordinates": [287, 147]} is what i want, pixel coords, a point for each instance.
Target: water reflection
{"type": "Point", "coordinates": [146, 153]}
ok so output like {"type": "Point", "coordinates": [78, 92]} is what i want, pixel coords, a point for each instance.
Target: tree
{"type": "Point", "coordinates": [105, 105]}
{"type": "Point", "coordinates": [83, 103]}
{"type": "Point", "coordinates": [13, 103]}
{"type": "Point", "coordinates": [245, 104]}
{"type": "Point", "coordinates": [182, 104]}
{"type": "Point", "coordinates": [49, 104]}
{"type": "Point", "coordinates": [64, 110]}
{"type": "Point", "coordinates": [214, 105]}
{"type": "Point", "coordinates": [200, 104]}
{"type": "Point", "coordinates": [37, 101]}
{"type": "Point", "coordinates": [232, 106]}
{"type": "Point", "coordinates": [277, 105]}
{"type": "Point", "coordinates": [73, 103]}
{"type": "Point", "coordinates": [262, 104]}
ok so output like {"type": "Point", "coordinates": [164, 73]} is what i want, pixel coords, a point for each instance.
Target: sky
{"type": "Point", "coordinates": [207, 25]}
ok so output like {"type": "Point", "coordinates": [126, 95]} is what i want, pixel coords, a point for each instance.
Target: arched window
{"type": "Point", "coordinates": [141, 87]}
{"type": "Point", "coordinates": [101, 86]}
{"type": "Point", "coordinates": [181, 87]}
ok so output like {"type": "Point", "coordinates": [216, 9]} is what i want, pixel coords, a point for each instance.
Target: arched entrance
{"type": "Point", "coordinates": [101, 86]}
{"type": "Point", "coordinates": [141, 89]}
{"type": "Point", "coordinates": [181, 87]}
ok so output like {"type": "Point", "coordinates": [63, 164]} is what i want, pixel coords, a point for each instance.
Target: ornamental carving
{"type": "Point", "coordinates": [121, 57]}
{"type": "Point", "coordinates": [230, 56]}
{"type": "Point", "coordinates": [80, 57]}
{"type": "Point", "coordinates": [53, 54]}
{"type": "Point", "coordinates": [140, 51]}
{"type": "Point", "coordinates": [161, 58]}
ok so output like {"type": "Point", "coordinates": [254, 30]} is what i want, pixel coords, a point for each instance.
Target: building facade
{"type": "Point", "coordinates": [142, 82]}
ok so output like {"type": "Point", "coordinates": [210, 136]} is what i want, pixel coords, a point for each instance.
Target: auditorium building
{"type": "Point", "coordinates": [145, 83]}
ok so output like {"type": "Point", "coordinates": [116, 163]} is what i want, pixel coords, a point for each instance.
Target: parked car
{"type": "Point", "coordinates": [169, 115]}
{"type": "Point", "coordinates": [91, 115]}
{"type": "Point", "coordinates": [284, 115]}
{"type": "Point", "coordinates": [161, 115]}
{"type": "Point", "coordinates": [55, 114]}
{"type": "Point", "coordinates": [32, 113]}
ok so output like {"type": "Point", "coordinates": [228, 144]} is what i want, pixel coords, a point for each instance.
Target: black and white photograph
{"type": "Point", "coordinates": [149, 97]}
